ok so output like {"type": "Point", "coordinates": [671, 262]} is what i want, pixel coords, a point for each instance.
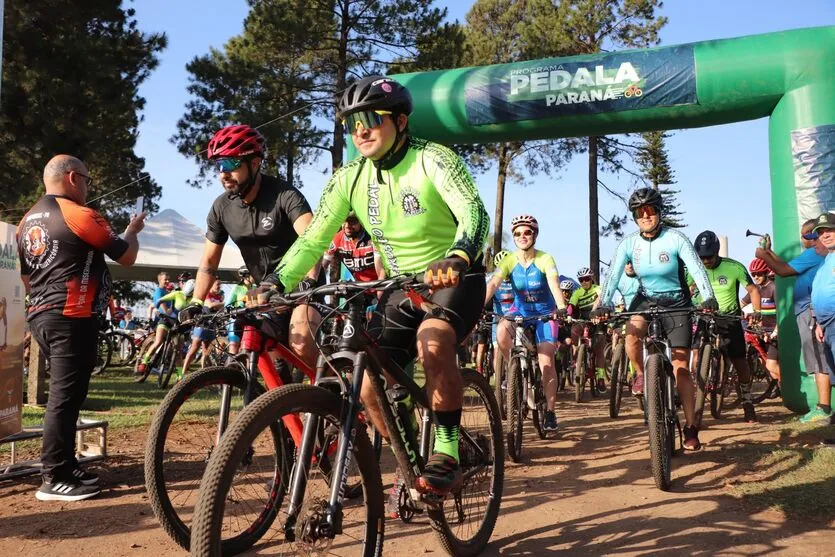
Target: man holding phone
{"type": "Point", "coordinates": [62, 244]}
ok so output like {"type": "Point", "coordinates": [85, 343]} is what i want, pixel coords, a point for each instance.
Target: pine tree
{"type": "Point", "coordinates": [654, 162]}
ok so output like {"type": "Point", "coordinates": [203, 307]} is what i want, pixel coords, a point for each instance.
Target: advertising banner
{"type": "Point", "coordinates": [12, 320]}
{"type": "Point", "coordinates": [594, 84]}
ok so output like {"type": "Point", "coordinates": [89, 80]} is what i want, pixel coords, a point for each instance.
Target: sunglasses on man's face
{"type": "Point", "coordinates": [228, 164]}
{"type": "Point", "coordinates": [811, 236]}
{"type": "Point", "coordinates": [585, 279]}
{"type": "Point", "coordinates": [368, 119]}
{"type": "Point", "coordinates": [521, 233]}
{"type": "Point", "coordinates": [645, 211]}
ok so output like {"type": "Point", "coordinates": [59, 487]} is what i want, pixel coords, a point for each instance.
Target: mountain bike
{"type": "Point", "coordinates": [315, 517]}
{"type": "Point", "coordinates": [524, 384]}
{"type": "Point", "coordinates": [757, 339]}
{"type": "Point", "coordinates": [715, 376]}
{"type": "Point", "coordinates": [660, 395]}
{"type": "Point", "coordinates": [194, 415]}
{"type": "Point", "coordinates": [584, 371]}
{"type": "Point", "coordinates": [619, 369]}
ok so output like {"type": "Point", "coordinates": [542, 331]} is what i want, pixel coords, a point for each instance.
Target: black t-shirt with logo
{"type": "Point", "coordinates": [263, 230]}
{"type": "Point", "coordinates": [62, 246]}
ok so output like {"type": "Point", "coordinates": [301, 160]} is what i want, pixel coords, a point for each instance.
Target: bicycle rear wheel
{"type": "Point", "coordinates": [362, 519]}
{"type": "Point", "coordinates": [104, 352]}
{"type": "Point", "coordinates": [580, 373]}
{"type": "Point", "coordinates": [466, 521]}
{"type": "Point", "coordinates": [515, 409]}
{"type": "Point", "coordinates": [660, 445]}
{"type": "Point", "coordinates": [168, 362]}
{"type": "Point", "coordinates": [619, 380]}
{"type": "Point", "coordinates": [182, 437]}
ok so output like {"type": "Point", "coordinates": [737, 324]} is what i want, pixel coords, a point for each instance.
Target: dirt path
{"type": "Point", "coordinates": [589, 492]}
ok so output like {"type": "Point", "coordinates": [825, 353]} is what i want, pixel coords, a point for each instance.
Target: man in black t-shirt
{"type": "Point", "coordinates": [62, 244]}
{"type": "Point", "coordinates": [262, 215]}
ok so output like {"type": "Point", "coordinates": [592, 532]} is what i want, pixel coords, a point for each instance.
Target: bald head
{"type": "Point", "coordinates": [66, 175]}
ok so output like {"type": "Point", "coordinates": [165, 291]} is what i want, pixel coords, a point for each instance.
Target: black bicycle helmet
{"type": "Point", "coordinates": [707, 244]}
{"type": "Point", "coordinates": [374, 92]}
{"type": "Point", "coordinates": [645, 196]}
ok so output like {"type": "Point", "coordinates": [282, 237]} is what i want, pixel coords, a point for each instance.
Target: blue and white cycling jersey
{"type": "Point", "coordinates": [659, 265]}
{"type": "Point", "coordinates": [503, 298]}
{"type": "Point", "coordinates": [530, 284]}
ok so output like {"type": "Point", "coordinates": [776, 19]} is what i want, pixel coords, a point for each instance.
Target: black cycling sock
{"type": "Point", "coordinates": [826, 408]}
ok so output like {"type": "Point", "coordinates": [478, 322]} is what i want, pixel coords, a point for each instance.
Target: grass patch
{"type": "Point", "coordinates": [797, 479]}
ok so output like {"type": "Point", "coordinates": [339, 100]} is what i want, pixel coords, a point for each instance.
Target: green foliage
{"type": "Point", "coordinates": [292, 60]}
{"type": "Point", "coordinates": [71, 76]}
{"type": "Point", "coordinates": [654, 163]}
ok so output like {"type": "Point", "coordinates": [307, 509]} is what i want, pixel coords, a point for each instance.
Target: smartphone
{"type": "Point", "coordinates": [140, 206]}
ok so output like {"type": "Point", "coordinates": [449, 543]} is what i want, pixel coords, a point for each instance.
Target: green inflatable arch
{"type": "Point", "coordinates": [788, 76]}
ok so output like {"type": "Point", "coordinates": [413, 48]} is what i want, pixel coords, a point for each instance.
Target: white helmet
{"type": "Point", "coordinates": [567, 285]}
{"type": "Point", "coordinates": [188, 287]}
{"type": "Point", "coordinates": [584, 272]}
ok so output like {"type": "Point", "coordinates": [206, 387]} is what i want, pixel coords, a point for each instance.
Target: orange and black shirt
{"type": "Point", "coordinates": [62, 246]}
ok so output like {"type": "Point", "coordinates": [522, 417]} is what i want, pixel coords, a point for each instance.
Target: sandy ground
{"type": "Point", "coordinates": [587, 492]}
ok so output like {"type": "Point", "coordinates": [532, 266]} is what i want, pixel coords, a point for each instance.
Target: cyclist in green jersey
{"type": "Point", "coordinates": [164, 308]}
{"type": "Point", "coordinates": [582, 301]}
{"type": "Point", "coordinates": [237, 298]}
{"type": "Point", "coordinates": [423, 212]}
{"type": "Point", "coordinates": [726, 277]}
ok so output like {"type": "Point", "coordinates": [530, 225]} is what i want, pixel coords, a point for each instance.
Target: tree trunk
{"type": "Point", "coordinates": [291, 162]}
{"type": "Point", "coordinates": [594, 229]}
{"type": "Point", "coordinates": [504, 160]}
{"type": "Point", "coordinates": [341, 81]}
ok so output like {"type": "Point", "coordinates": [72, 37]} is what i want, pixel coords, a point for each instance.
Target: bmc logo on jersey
{"type": "Point", "coordinates": [664, 257]}
{"type": "Point", "coordinates": [267, 223]}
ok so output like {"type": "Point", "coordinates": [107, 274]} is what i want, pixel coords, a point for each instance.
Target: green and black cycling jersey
{"type": "Point", "coordinates": [420, 207]}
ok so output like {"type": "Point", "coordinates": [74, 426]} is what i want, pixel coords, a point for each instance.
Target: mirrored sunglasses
{"type": "Point", "coordinates": [521, 233]}
{"type": "Point", "coordinates": [368, 119]}
{"type": "Point", "coordinates": [810, 236]}
{"type": "Point", "coordinates": [228, 165]}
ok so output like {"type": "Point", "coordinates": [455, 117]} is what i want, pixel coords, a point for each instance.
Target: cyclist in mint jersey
{"type": "Point", "coordinates": [726, 277]}
{"type": "Point", "coordinates": [658, 255]}
{"type": "Point", "coordinates": [237, 299]}
{"type": "Point", "coordinates": [423, 212]}
{"type": "Point", "coordinates": [535, 280]}
{"type": "Point", "coordinates": [628, 286]}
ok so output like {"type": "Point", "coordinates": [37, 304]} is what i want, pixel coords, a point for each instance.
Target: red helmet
{"type": "Point", "coordinates": [759, 266]}
{"type": "Point", "coordinates": [236, 141]}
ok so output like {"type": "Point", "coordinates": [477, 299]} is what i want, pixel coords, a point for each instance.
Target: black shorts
{"type": "Point", "coordinates": [677, 326]}
{"type": "Point", "coordinates": [396, 321]}
{"type": "Point", "coordinates": [732, 336]}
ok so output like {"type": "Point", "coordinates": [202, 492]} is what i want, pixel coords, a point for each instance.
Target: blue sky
{"type": "Point", "coordinates": [722, 171]}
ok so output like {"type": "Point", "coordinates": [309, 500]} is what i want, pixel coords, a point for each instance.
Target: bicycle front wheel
{"type": "Point", "coordinates": [618, 382]}
{"type": "Point", "coordinates": [580, 373]}
{"type": "Point", "coordinates": [104, 351]}
{"type": "Point", "coordinates": [182, 437]}
{"type": "Point", "coordinates": [466, 520]}
{"type": "Point", "coordinates": [720, 384]}
{"type": "Point", "coordinates": [362, 519]}
{"type": "Point", "coordinates": [515, 409]}
{"type": "Point", "coordinates": [660, 444]}
{"type": "Point", "coordinates": [706, 360]}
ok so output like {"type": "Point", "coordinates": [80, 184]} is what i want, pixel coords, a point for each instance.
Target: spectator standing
{"type": "Point", "coordinates": [62, 244]}
{"type": "Point", "coordinates": [804, 267]}
{"type": "Point", "coordinates": [823, 298]}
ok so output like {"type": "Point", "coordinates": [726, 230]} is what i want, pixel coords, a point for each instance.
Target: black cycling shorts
{"type": "Point", "coordinates": [677, 326]}
{"type": "Point", "coordinates": [395, 322]}
{"type": "Point", "coordinates": [732, 336]}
